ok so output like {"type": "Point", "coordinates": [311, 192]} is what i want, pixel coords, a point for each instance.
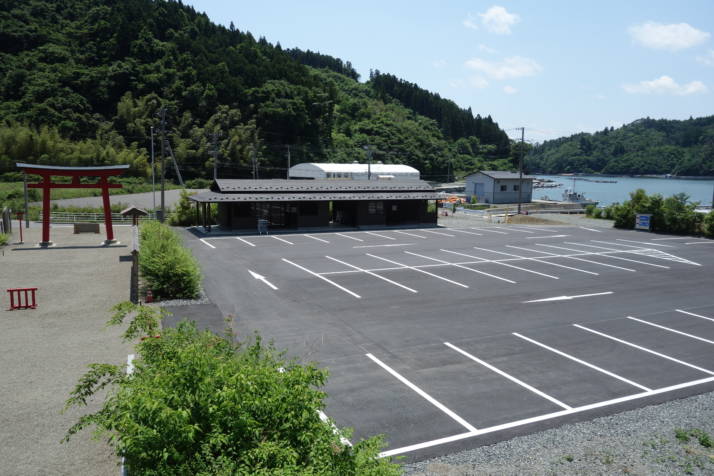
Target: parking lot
{"type": "Point", "coordinates": [449, 338]}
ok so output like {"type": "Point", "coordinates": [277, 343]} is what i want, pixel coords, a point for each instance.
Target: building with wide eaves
{"type": "Point", "coordinates": [292, 204]}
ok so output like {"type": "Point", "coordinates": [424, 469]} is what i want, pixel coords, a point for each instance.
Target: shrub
{"type": "Point", "coordinates": [197, 403]}
{"type": "Point", "coordinates": [596, 212]}
{"type": "Point", "coordinates": [170, 270]}
{"type": "Point", "coordinates": [184, 213]}
{"type": "Point", "coordinates": [198, 183]}
{"type": "Point", "coordinates": [4, 239]}
{"type": "Point", "coordinates": [708, 224]}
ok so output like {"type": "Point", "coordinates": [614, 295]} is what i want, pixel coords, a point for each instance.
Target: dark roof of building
{"type": "Point", "coordinates": [217, 197]}
{"type": "Point", "coordinates": [502, 175]}
{"type": "Point", "coordinates": [311, 186]}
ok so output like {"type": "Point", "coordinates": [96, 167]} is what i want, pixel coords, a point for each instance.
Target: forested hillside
{"type": "Point", "coordinates": [82, 81]}
{"type": "Point", "coordinates": [646, 146]}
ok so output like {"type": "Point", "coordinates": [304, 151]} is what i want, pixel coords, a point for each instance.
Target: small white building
{"type": "Point", "coordinates": [494, 186]}
{"type": "Point", "coordinates": [353, 171]}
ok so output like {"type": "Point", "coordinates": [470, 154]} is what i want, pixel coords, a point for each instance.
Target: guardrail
{"type": "Point", "coordinates": [66, 217]}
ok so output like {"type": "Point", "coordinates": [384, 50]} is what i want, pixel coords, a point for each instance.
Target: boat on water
{"type": "Point", "coordinates": [571, 196]}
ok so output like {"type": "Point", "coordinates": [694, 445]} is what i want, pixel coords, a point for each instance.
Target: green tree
{"type": "Point", "coordinates": [197, 403]}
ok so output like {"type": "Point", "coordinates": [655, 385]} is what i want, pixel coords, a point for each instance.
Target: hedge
{"type": "Point", "coordinates": [168, 268]}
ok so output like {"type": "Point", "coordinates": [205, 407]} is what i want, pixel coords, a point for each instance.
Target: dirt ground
{"type": "Point", "coordinates": [46, 350]}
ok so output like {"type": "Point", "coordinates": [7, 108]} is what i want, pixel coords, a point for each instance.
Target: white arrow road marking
{"type": "Point", "coordinates": [569, 298]}
{"type": "Point", "coordinates": [262, 278]}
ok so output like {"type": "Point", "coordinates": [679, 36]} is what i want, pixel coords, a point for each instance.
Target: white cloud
{"type": "Point", "coordinates": [665, 85]}
{"type": "Point", "coordinates": [707, 58]}
{"type": "Point", "coordinates": [474, 81]}
{"type": "Point", "coordinates": [439, 63]}
{"type": "Point", "coordinates": [497, 20]}
{"type": "Point", "coordinates": [512, 67]}
{"type": "Point", "coordinates": [486, 49]}
{"type": "Point", "coordinates": [672, 37]}
{"type": "Point", "coordinates": [509, 90]}
{"type": "Point", "coordinates": [478, 82]}
{"type": "Point", "coordinates": [470, 22]}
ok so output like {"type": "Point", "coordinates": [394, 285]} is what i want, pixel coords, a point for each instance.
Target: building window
{"type": "Point", "coordinates": [375, 208]}
{"type": "Point", "coordinates": [515, 188]}
{"type": "Point", "coordinates": [504, 188]}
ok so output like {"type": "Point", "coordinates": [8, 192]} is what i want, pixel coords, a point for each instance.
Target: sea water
{"type": "Point", "coordinates": [606, 193]}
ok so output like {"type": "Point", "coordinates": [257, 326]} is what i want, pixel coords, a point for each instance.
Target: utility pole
{"type": "Point", "coordinates": [153, 172]}
{"type": "Point", "coordinates": [520, 170]}
{"type": "Point", "coordinates": [254, 161]}
{"type": "Point", "coordinates": [173, 159]}
{"type": "Point", "coordinates": [214, 138]}
{"type": "Point", "coordinates": [368, 148]}
{"type": "Point", "coordinates": [162, 131]}
{"type": "Point", "coordinates": [288, 174]}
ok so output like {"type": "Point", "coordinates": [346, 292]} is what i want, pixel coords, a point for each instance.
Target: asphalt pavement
{"type": "Point", "coordinates": [451, 338]}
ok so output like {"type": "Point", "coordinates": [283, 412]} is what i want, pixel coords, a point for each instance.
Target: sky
{"type": "Point", "coordinates": [553, 67]}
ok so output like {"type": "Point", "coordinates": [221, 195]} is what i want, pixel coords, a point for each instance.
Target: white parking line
{"type": "Point", "coordinates": [539, 418]}
{"type": "Point", "coordinates": [540, 261]}
{"type": "Point", "coordinates": [644, 349]}
{"type": "Point", "coordinates": [489, 230]}
{"type": "Point", "coordinates": [672, 330]}
{"type": "Point", "coordinates": [695, 315]}
{"type": "Point", "coordinates": [671, 238]}
{"type": "Point", "coordinates": [464, 231]}
{"type": "Point", "coordinates": [581, 259]}
{"type": "Point", "coordinates": [610, 255]}
{"type": "Point", "coordinates": [411, 234]}
{"type": "Point", "coordinates": [207, 243]}
{"type": "Point", "coordinates": [529, 227]}
{"type": "Point", "coordinates": [381, 236]}
{"type": "Point", "coordinates": [422, 393]}
{"type": "Point", "coordinates": [383, 246]}
{"type": "Point", "coordinates": [244, 241]}
{"type": "Point", "coordinates": [555, 255]}
{"type": "Point", "coordinates": [512, 228]}
{"type": "Point", "coordinates": [702, 242]}
{"type": "Point", "coordinates": [582, 362]}
{"type": "Point", "coordinates": [372, 274]}
{"type": "Point", "coordinates": [484, 260]}
{"type": "Point", "coordinates": [335, 430]}
{"type": "Point", "coordinates": [323, 278]}
{"type": "Point", "coordinates": [315, 238]}
{"type": "Point", "coordinates": [509, 377]}
{"type": "Point", "coordinates": [419, 270]}
{"type": "Point", "coordinates": [348, 236]}
{"type": "Point", "coordinates": [438, 233]}
{"type": "Point", "coordinates": [645, 243]}
{"type": "Point", "coordinates": [282, 239]}
{"type": "Point", "coordinates": [590, 229]}
{"type": "Point", "coordinates": [462, 267]}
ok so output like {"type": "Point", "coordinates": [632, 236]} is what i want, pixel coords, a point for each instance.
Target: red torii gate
{"type": "Point", "coordinates": [47, 171]}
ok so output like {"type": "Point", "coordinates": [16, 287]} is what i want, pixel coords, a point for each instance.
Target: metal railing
{"type": "Point", "coordinates": [68, 217]}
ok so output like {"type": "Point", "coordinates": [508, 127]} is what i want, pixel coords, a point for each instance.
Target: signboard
{"type": "Point", "coordinates": [642, 221]}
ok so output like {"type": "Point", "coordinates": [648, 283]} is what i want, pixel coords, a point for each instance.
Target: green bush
{"type": "Point", "coordinates": [198, 183]}
{"type": "Point", "coordinates": [675, 214]}
{"type": "Point", "coordinates": [198, 404]}
{"type": "Point", "coordinates": [596, 212]}
{"type": "Point", "coordinates": [184, 214]}
{"type": "Point", "coordinates": [4, 239]}
{"type": "Point", "coordinates": [708, 224]}
{"type": "Point", "coordinates": [170, 270]}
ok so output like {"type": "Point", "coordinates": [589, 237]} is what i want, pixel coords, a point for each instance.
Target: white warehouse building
{"type": "Point", "coordinates": [353, 171]}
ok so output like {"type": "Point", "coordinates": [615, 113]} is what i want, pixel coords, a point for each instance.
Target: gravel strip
{"type": "Point", "coordinates": [641, 441]}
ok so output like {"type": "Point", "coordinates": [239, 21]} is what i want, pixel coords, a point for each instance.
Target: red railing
{"type": "Point", "coordinates": [22, 298]}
